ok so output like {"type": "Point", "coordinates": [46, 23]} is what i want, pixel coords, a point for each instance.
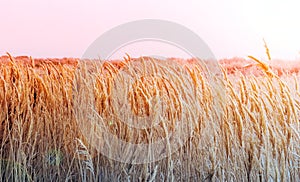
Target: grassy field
{"type": "Point", "coordinates": [239, 123]}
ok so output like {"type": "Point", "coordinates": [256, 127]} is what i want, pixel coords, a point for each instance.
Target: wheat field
{"type": "Point", "coordinates": [237, 126]}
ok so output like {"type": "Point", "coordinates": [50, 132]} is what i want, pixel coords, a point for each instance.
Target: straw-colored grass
{"type": "Point", "coordinates": [245, 128]}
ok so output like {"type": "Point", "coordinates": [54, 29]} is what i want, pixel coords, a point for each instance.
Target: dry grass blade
{"type": "Point", "coordinates": [267, 50]}
{"type": "Point", "coordinates": [265, 67]}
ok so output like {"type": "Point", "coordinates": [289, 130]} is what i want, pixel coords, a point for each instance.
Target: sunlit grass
{"type": "Point", "coordinates": [252, 135]}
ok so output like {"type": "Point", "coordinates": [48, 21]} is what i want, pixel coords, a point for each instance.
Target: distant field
{"type": "Point", "coordinates": [244, 121]}
{"type": "Point", "coordinates": [232, 65]}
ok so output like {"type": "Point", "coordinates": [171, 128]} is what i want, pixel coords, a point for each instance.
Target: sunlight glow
{"type": "Point", "coordinates": [277, 22]}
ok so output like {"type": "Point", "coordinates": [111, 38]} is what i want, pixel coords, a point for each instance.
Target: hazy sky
{"type": "Point", "coordinates": [42, 28]}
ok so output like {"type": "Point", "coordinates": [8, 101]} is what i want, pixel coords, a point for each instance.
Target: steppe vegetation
{"type": "Point", "coordinates": [245, 120]}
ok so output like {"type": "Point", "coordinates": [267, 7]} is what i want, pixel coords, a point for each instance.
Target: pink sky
{"type": "Point", "coordinates": [43, 28]}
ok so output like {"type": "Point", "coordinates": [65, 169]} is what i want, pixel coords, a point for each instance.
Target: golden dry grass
{"type": "Point", "coordinates": [249, 130]}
